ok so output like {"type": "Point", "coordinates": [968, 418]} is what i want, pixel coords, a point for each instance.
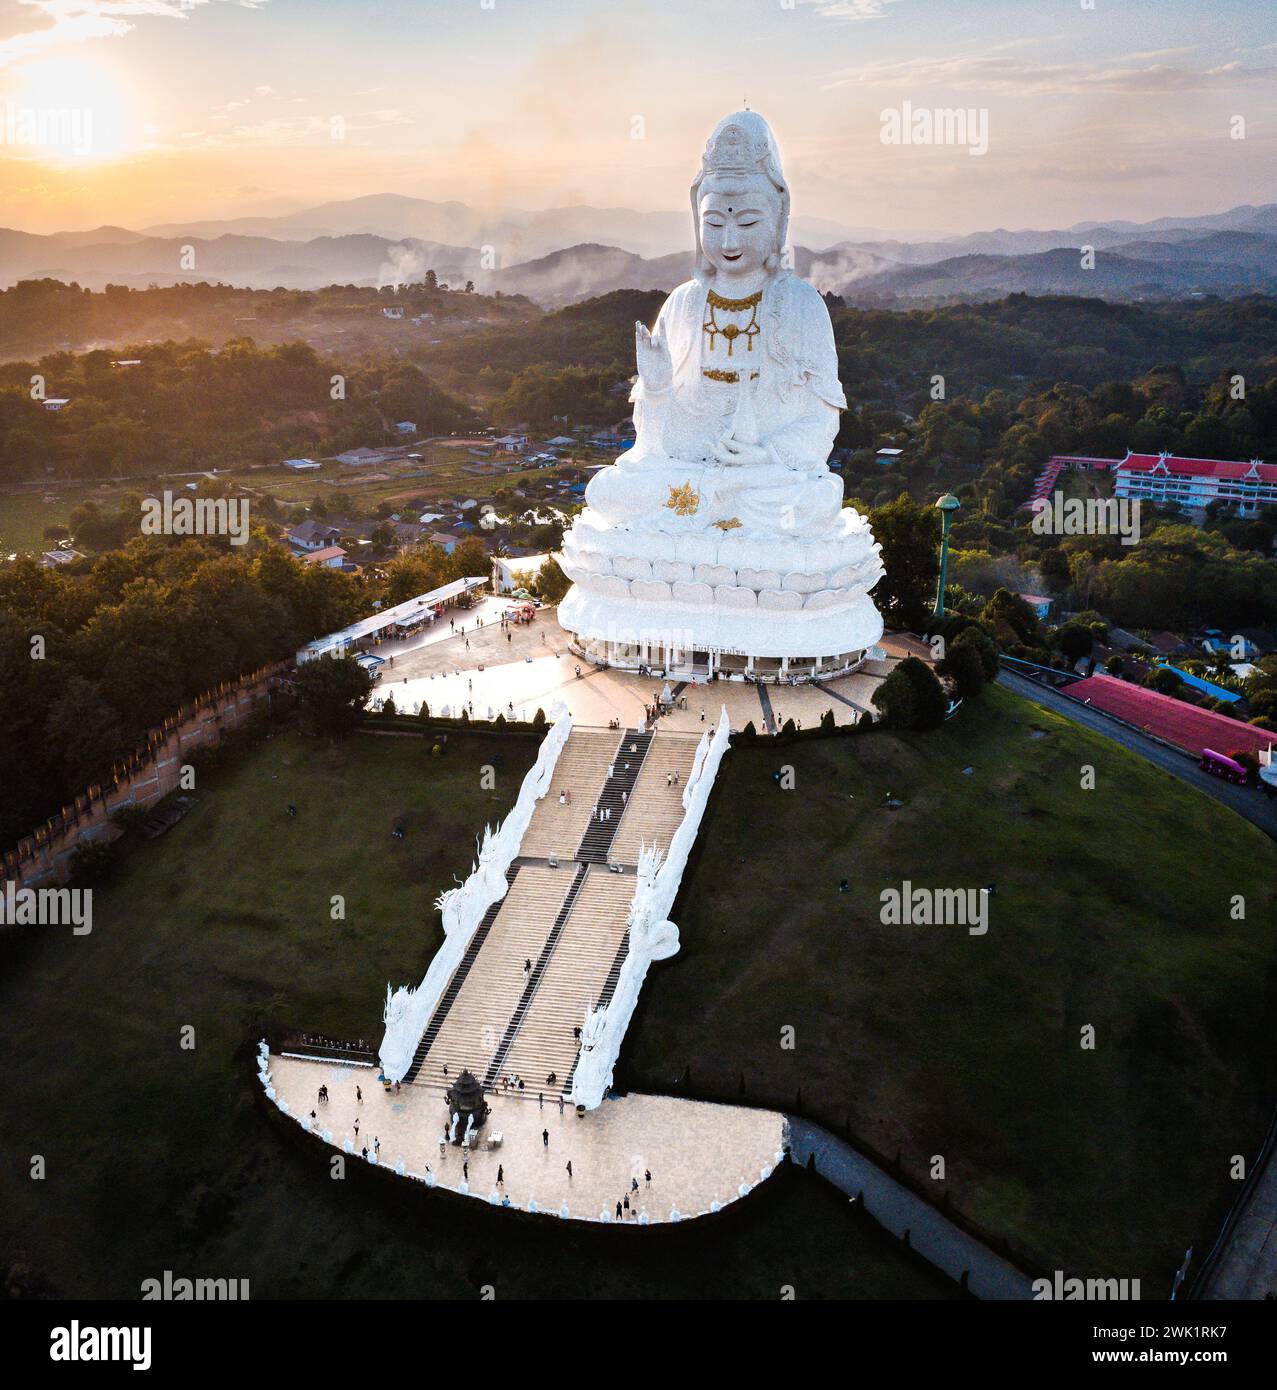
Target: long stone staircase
{"type": "Point", "coordinates": [546, 1044]}
{"type": "Point", "coordinates": [469, 1032]}
{"type": "Point", "coordinates": [554, 946]}
{"type": "Point", "coordinates": [613, 799]}
{"type": "Point", "coordinates": [557, 827]}
{"type": "Point", "coordinates": [658, 801]}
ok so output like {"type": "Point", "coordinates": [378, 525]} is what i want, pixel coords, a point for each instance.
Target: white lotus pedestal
{"type": "Point", "coordinates": [695, 603]}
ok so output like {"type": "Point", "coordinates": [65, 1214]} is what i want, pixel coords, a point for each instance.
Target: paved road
{"type": "Point", "coordinates": [1247, 1265]}
{"type": "Point", "coordinates": [1246, 801]}
{"type": "Point", "coordinates": [894, 1206]}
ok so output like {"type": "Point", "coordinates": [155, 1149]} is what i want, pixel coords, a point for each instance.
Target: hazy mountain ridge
{"type": "Point", "coordinates": [1225, 264]}
{"type": "Point", "coordinates": [1225, 253]}
{"type": "Point", "coordinates": [514, 234]}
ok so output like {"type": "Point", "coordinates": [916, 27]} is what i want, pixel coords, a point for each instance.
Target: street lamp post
{"type": "Point", "coordinates": [946, 505]}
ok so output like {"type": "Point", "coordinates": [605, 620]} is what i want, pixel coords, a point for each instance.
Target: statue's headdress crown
{"type": "Point", "coordinates": [742, 143]}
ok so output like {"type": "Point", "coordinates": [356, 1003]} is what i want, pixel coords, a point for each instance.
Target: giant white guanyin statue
{"type": "Point", "coordinates": [722, 530]}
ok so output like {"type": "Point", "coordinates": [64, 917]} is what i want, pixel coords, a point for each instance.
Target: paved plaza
{"type": "Point", "coordinates": [700, 1156]}
{"type": "Point", "coordinates": [514, 671]}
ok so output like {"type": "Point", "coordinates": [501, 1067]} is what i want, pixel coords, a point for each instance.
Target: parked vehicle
{"type": "Point", "coordinates": [1220, 765]}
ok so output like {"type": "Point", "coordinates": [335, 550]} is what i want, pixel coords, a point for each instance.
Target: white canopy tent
{"type": "Point", "coordinates": [410, 614]}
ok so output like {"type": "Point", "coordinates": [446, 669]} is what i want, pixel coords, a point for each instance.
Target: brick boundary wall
{"type": "Point", "coordinates": [141, 779]}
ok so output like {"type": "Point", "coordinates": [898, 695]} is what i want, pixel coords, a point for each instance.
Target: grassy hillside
{"type": "Point", "coordinates": [1112, 908]}
{"type": "Point", "coordinates": [160, 1158]}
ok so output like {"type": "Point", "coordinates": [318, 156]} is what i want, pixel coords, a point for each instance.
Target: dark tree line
{"type": "Point", "coordinates": [187, 406]}
{"type": "Point", "coordinates": [125, 641]}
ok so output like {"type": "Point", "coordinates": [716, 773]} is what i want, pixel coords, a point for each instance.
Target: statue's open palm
{"type": "Point", "coordinates": [652, 353]}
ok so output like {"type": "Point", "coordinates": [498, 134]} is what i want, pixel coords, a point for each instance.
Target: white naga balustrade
{"type": "Point", "coordinates": [652, 936]}
{"type": "Point", "coordinates": [408, 1010]}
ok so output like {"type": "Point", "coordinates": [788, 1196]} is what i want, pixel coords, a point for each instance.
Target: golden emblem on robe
{"type": "Point", "coordinates": [683, 501]}
{"type": "Point", "coordinates": [732, 523]}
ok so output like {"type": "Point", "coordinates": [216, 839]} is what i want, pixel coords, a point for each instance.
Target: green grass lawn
{"type": "Point", "coordinates": [1112, 909]}
{"type": "Point", "coordinates": [23, 518]}
{"type": "Point", "coordinates": [159, 1158]}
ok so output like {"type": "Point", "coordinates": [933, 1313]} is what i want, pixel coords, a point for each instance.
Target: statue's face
{"type": "Point", "coordinates": [738, 224]}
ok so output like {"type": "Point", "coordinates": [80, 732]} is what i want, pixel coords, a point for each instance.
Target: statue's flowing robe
{"type": "Point", "coordinates": [797, 395]}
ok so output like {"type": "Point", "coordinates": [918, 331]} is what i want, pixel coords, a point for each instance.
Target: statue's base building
{"type": "Point", "coordinates": [722, 610]}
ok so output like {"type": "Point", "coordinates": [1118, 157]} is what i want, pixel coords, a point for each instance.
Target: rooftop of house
{"type": "Point", "coordinates": [1167, 642]}
{"type": "Point", "coordinates": [308, 532]}
{"type": "Point", "coordinates": [321, 557]}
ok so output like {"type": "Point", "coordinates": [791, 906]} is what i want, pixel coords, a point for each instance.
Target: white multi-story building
{"type": "Point", "coordinates": [1192, 484]}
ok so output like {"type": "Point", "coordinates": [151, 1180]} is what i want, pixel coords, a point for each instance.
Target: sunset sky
{"type": "Point", "coordinates": [220, 108]}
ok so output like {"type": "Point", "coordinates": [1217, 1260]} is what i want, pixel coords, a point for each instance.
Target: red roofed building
{"type": "Point", "coordinates": [1169, 719]}
{"type": "Point", "coordinates": [1192, 484]}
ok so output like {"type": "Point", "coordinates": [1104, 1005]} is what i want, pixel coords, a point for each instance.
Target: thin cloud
{"type": "Point", "coordinates": [76, 21]}
{"type": "Point", "coordinates": [998, 70]}
{"type": "Point", "coordinates": [851, 9]}
{"type": "Point", "coordinates": [280, 132]}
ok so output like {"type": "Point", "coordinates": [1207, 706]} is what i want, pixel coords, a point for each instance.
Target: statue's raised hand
{"type": "Point", "coordinates": [652, 353]}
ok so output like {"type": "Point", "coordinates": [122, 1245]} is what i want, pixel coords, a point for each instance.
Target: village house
{"type": "Point", "coordinates": [511, 572]}
{"type": "Point", "coordinates": [330, 557]}
{"type": "Point", "coordinates": [358, 457]}
{"type": "Point", "coordinates": [1039, 603]}
{"type": "Point", "coordinates": [54, 559]}
{"type": "Point", "coordinates": [313, 535]}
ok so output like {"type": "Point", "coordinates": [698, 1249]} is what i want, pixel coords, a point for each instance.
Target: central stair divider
{"type": "Point", "coordinates": [596, 843]}
{"type": "Point", "coordinates": [448, 998]}
{"type": "Point", "coordinates": [534, 980]}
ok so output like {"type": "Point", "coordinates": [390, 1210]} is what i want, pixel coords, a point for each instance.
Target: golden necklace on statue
{"type": "Point", "coordinates": [715, 304]}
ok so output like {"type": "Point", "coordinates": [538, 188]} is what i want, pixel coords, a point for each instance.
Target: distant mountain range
{"type": "Point", "coordinates": [566, 254]}
{"type": "Point", "coordinates": [514, 234]}
{"type": "Point", "coordinates": [255, 262]}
